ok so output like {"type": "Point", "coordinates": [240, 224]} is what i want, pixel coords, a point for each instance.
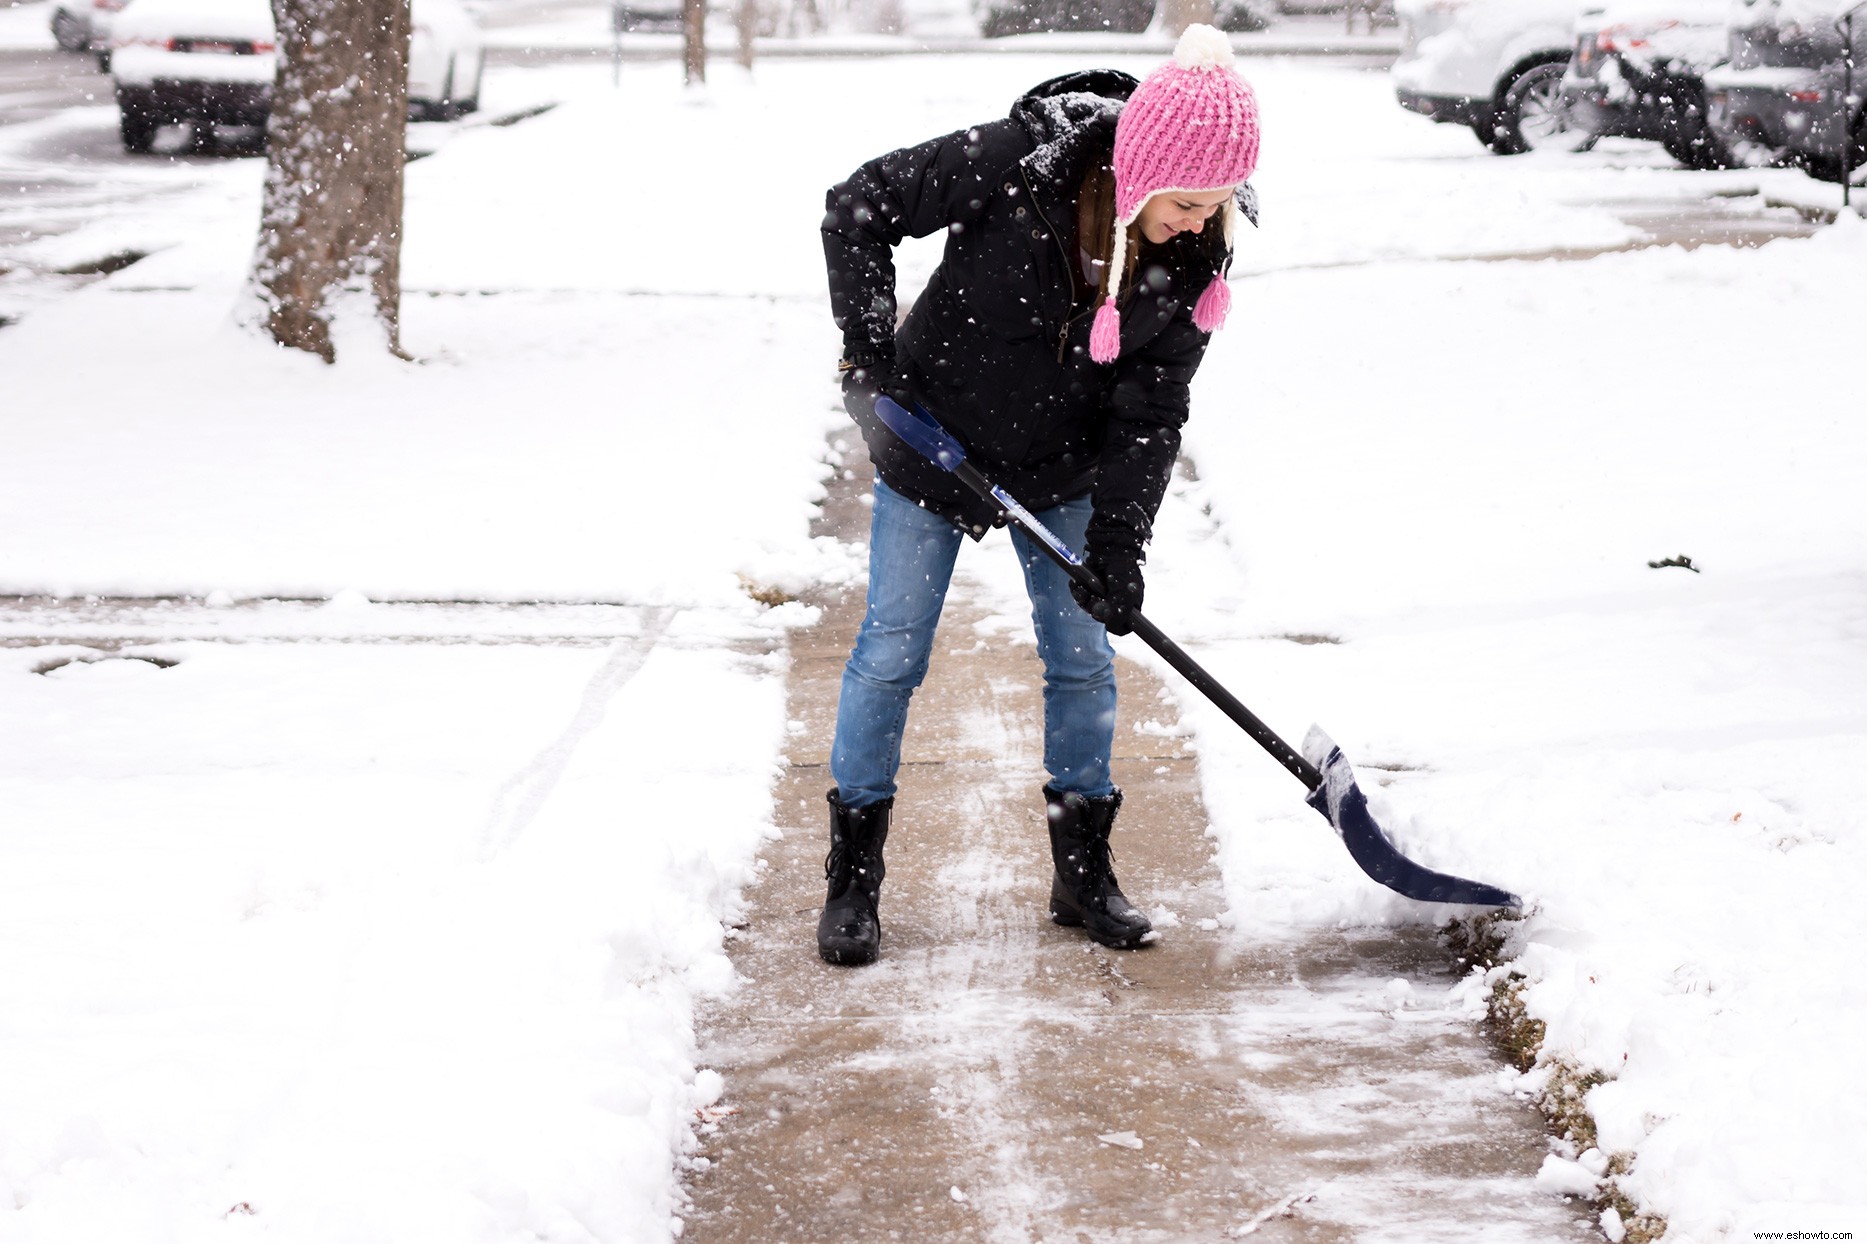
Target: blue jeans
{"type": "Point", "coordinates": [911, 555]}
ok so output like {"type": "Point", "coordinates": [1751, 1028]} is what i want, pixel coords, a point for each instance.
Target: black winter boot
{"type": "Point", "coordinates": [850, 930]}
{"type": "Point", "coordinates": [1084, 891]}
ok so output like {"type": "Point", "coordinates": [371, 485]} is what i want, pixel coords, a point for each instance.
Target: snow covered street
{"type": "Point", "coordinates": [387, 749]}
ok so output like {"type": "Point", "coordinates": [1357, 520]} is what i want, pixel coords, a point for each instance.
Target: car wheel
{"type": "Point", "coordinates": [443, 109]}
{"type": "Point", "coordinates": [69, 33]}
{"type": "Point", "coordinates": [1698, 149]}
{"type": "Point", "coordinates": [472, 102]}
{"type": "Point", "coordinates": [1827, 168]}
{"type": "Point", "coordinates": [138, 128]}
{"type": "Point", "coordinates": [1686, 135]}
{"type": "Point", "coordinates": [1838, 168]}
{"type": "Point", "coordinates": [1501, 141]}
{"type": "Point", "coordinates": [1532, 117]}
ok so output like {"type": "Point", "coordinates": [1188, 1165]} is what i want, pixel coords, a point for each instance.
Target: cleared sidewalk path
{"type": "Point", "coordinates": [998, 1078]}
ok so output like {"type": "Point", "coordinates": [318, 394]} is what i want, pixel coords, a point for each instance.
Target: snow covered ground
{"type": "Point", "coordinates": [27, 26]}
{"type": "Point", "coordinates": [392, 942]}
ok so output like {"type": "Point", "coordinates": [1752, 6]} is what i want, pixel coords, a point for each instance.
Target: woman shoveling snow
{"type": "Point", "coordinates": [1088, 236]}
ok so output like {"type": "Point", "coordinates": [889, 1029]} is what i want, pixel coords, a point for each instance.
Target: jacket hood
{"type": "Point", "coordinates": [1069, 116]}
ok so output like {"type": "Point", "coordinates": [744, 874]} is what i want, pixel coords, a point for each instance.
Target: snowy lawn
{"type": "Point", "coordinates": [336, 1006]}
{"type": "Point", "coordinates": [1666, 765]}
{"type": "Point", "coordinates": [27, 26]}
{"type": "Point", "coordinates": [365, 941]}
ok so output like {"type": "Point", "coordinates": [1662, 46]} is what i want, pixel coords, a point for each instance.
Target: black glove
{"type": "Point", "coordinates": [867, 375]}
{"type": "Point", "coordinates": [1118, 565]}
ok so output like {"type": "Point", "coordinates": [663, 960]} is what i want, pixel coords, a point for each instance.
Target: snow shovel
{"type": "Point", "coordinates": [1320, 766]}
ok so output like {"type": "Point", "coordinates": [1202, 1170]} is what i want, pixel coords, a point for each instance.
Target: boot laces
{"type": "Point", "coordinates": [843, 869]}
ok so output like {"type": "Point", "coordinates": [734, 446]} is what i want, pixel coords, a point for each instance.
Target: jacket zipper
{"type": "Point", "coordinates": [1069, 272]}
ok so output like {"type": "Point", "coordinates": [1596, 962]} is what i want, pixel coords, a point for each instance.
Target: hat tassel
{"type": "Point", "coordinates": [1210, 311]}
{"type": "Point", "coordinates": [1216, 301]}
{"type": "Point", "coordinates": [1105, 333]}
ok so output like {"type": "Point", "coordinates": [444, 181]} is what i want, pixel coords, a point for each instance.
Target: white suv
{"type": "Point", "coordinates": [1495, 65]}
{"type": "Point", "coordinates": [211, 62]}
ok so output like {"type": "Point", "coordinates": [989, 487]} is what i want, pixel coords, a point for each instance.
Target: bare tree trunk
{"type": "Point", "coordinates": [330, 234]}
{"type": "Point", "coordinates": [746, 18]}
{"type": "Point", "coordinates": [1172, 17]}
{"type": "Point", "coordinates": [803, 16]}
{"type": "Point", "coordinates": [694, 39]}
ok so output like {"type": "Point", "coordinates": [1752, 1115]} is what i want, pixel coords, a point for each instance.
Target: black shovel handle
{"type": "Point", "coordinates": [1150, 634]}
{"type": "Point", "coordinates": [920, 430]}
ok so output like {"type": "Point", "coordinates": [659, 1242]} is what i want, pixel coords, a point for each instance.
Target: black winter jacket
{"type": "Point", "coordinates": [997, 346]}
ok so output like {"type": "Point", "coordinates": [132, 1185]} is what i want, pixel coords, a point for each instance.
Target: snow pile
{"type": "Point", "coordinates": [382, 941]}
{"type": "Point", "coordinates": [572, 434]}
{"type": "Point", "coordinates": [297, 937]}
{"type": "Point", "coordinates": [27, 27]}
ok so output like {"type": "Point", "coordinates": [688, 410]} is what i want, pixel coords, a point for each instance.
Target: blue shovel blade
{"type": "Point", "coordinates": [1343, 805]}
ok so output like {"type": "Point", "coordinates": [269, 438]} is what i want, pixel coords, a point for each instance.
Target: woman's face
{"type": "Point", "coordinates": [1180, 211]}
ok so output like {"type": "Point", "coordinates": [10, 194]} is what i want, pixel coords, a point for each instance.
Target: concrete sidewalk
{"type": "Point", "coordinates": [996, 1077]}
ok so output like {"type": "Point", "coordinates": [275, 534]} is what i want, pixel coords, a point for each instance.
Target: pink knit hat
{"type": "Point", "coordinates": [1191, 126]}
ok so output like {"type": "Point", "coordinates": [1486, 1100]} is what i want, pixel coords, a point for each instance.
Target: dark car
{"type": "Point", "coordinates": [640, 16]}
{"type": "Point", "coordinates": [1019, 17]}
{"type": "Point", "coordinates": [998, 18]}
{"type": "Point", "coordinates": [1638, 71]}
{"type": "Point", "coordinates": [1785, 90]}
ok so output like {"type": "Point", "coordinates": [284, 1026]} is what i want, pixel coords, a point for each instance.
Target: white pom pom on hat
{"type": "Point", "coordinates": [1203, 47]}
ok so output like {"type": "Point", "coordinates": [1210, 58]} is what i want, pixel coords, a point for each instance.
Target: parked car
{"type": "Point", "coordinates": [84, 26]}
{"type": "Point", "coordinates": [1638, 71]}
{"type": "Point", "coordinates": [1494, 65]}
{"type": "Point", "coordinates": [646, 16]}
{"type": "Point", "coordinates": [1237, 16]}
{"type": "Point", "coordinates": [669, 16]}
{"type": "Point", "coordinates": [212, 62]}
{"type": "Point", "coordinates": [998, 18]}
{"type": "Point", "coordinates": [1783, 91]}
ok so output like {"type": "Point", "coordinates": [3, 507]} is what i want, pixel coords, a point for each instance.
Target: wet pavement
{"type": "Point", "coordinates": [997, 1077]}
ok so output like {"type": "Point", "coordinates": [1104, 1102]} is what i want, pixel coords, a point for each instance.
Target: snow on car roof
{"type": "Point", "coordinates": [1801, 12]}
{"type": "Point", "coordinates": [247, 19]}
{"type": "Point", "coordinates": [1685, 12]}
